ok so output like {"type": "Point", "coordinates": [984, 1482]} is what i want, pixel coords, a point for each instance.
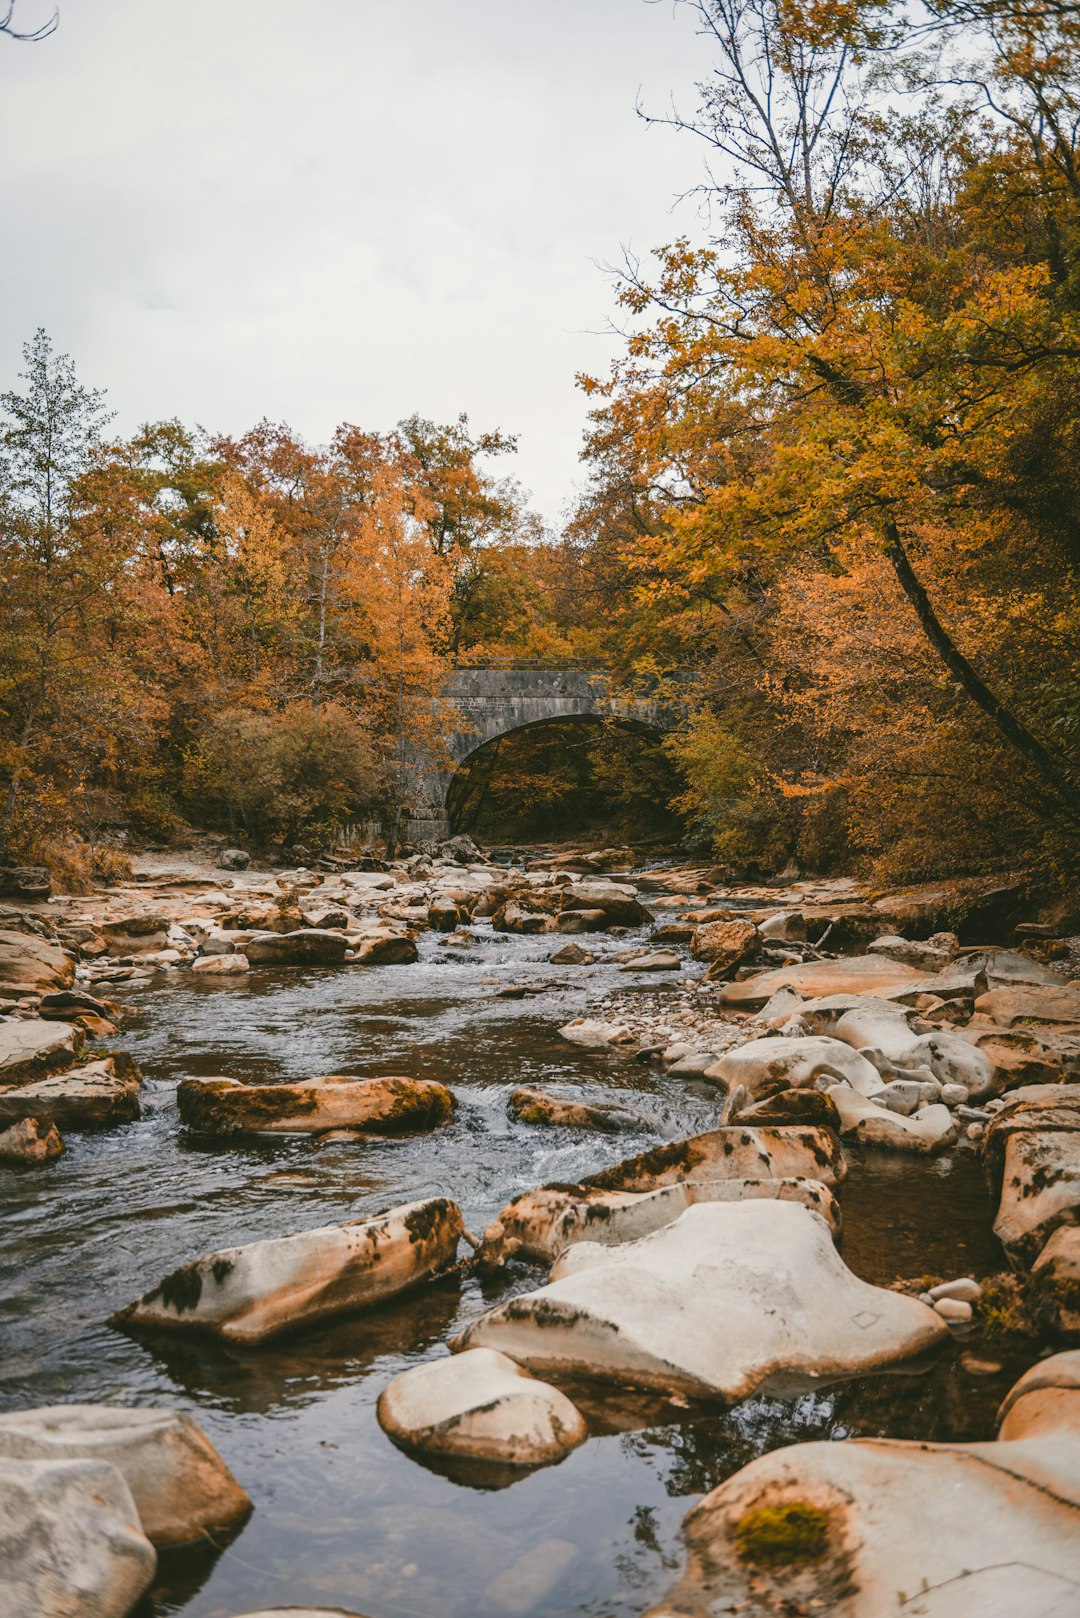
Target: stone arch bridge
{"type": "Point", "coordinates": [494, 698]}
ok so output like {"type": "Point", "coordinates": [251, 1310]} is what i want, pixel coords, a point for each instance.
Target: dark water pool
{"type": "Point", "coordinates": [342, 1519]}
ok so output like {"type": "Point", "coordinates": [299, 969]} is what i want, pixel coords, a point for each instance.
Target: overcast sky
{"type": "Point", "coordinates": [339, 210]}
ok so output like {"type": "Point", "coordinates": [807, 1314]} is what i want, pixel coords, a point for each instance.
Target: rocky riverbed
{"type": "Point", "coordinates": [400, 1185]}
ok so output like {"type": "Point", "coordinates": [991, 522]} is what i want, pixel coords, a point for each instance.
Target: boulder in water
{"type": "Point", "coordinates": [386, 1106]}
{"type": "Point", "coordinates": [531, 1106]}
{"type": "Point", "coordinates": [483, 1406]}
{"type": "Point", "coordinates": [181, 1487]}
{"type": "Point", "coordinates": [95, 1096]}
{"type": "Point", "coordinates": [304, 946]}
{"type": "Point", "coordinates": [30, 1141]}
{"type": "Point", "coordinates": [731, 1297]}
{"type": "Point", "coordinates": [71, 1545]}
{"type": "Point", "coordinates": [253, 1293]}
{"type": "Point", "coordinates": [883, 1526]}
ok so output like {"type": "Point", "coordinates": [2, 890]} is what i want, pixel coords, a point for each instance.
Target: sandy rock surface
{"type": "Point", "coordinates": [481, 1405]}
{"type": "Point", "coordinates": [730, 1297]}
{"type": "Point", "coordinates": [71, 1545]}
{"type": "Point", "coordinates": [181, 1486]}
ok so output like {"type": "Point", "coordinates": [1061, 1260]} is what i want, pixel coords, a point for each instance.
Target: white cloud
{"type": "Point", "coordinates": [326, 210]}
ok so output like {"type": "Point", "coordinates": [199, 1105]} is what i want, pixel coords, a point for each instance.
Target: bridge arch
{"type": "Point", "coordinates": [494, 699]}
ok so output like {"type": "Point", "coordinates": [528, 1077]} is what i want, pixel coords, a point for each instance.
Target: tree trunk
{"type": "Point", "coordinates": [1015, 733]}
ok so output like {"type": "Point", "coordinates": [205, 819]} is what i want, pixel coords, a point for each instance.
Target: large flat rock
{"type": "Point", "coordinates": [95, 1096]}
{"type": "Point", "coordinates": [71, 1545]}
{"type": "Point", "coordinates": [542, 1224]}
{"type": "Point", "coordinates": [33, 964]}
{"type": "Point", "coordinates": [765, 1066]}
{"type": "Point", "coordinates": [307, 946]}
{"type": "Point", "coordinates": [879, 1528]}
{"type": "Point", "coordinates": [856, 974]}
{"type": "Point", "coordinates": [735, 1152]}
{"type": "Point", "coordinates": [29, 1047]}
{"type": "Point", "coordinates": [729, 1298]}
{"type": "Point", "coordinates": [388, 1106]}
{"type": "Point", "coordinates": [1030, 1006]}
{"type": "Point", "coordinates": [253, 1293]}
{"type": "Point", "coordinates": [181, 1487]}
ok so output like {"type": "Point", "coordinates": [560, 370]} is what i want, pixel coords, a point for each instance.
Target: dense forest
{"type": "Point", "coordinates": [833, 500]}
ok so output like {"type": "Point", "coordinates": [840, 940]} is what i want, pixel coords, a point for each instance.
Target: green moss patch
{"type": "Point", "coordinates": [782, 1536]}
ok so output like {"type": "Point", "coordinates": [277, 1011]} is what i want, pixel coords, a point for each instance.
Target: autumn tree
{"type": "Point", "coordinates": [858, 358]}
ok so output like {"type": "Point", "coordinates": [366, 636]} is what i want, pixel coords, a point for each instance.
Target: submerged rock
{"type": "Point", "coordinates": [730, 1297]}
{"type": "Point", "coordinates": [537, 1107]}
{"type": "Point", "coordinates": [386, 1106]}
{"type": "Point", "coordinates": [872, 1528]}
{"type": "Point", "coordinates": [95, 1096]}
{"type": "Point", "coordinates": [253, 1293]}
{"type": "Point", "coordinates": [30, 1141]}
{"type": "Point", "coordinates": [181, 1486]}
{"type": "Point", "coordinates": [388, 949]}
{"type": "Point", "coordinates": [71, 1545]}
{"type": "Point", "coordinates": [483, 1406]}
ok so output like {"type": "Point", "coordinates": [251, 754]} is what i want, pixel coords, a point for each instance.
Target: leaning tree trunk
{"type": "Point", "coordinates": [1014, 732]}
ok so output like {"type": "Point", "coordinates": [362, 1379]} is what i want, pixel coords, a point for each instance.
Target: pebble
{"type": "Point", "coordinates": [953, 1310]}
{"type": "Point", "coordinates": [964, 1288]}
{"type": "Point", "coordinates": [977, 1367]}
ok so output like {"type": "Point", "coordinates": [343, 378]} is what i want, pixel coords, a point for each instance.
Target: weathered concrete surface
{"type": "Point", "coordinates": [253, 1293]}
{"type": "Point", "coordinates": [180, 1484]}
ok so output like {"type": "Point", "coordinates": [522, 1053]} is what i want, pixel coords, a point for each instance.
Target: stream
{"type": "Point", "coordinates": [342, 1518]}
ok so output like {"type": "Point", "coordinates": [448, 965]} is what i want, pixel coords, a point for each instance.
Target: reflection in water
{"type": "Point", "coordinates": [342, 1518]}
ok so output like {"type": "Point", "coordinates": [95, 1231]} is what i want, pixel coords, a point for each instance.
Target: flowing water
{"type": "Point", "coordinates": [342, 1518]}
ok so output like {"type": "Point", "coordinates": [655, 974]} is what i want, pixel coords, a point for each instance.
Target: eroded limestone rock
{"type": "Point", "coordinates": [855, 974]}
{"type": "Point", "coordinates": [878, 1528]}
{"type": "Point", "coordinates": [94, 1096]}
{"type": "Point", "coordinates": [30, 1047]}
{"type": "Point", "coordinates": [385, 1106]}
{"type": "Point", "coordinates": [181, 1486]}
{"type": "Point", "coordinates": [730, 1297]}
{"type": "Point", "coordinates": [483, 1406]}
{"type": "Point", "coordinates": [542, 1224]}
{"type": "Point", "coordinates": [71, 1545]}
{"type": "Point", "coordinates": [30, 1141]}
{"type": "Point", "coordinates": [765, 1066]}
{"type": "Point", "coordinates": [253, 1293]}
